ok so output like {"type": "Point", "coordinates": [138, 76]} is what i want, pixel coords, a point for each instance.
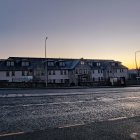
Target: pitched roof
{"type": "Point", "coordinates": [69, 63]}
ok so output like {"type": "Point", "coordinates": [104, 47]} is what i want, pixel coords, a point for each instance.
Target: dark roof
{"type": "Point", "coordinates": [69, 63]}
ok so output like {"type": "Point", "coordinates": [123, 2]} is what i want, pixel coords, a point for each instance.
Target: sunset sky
{"type": "Point", "coordinates": [96, 29]}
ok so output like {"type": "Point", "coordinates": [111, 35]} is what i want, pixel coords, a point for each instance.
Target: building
{"type": "Point", "coordinates": [61, 71]}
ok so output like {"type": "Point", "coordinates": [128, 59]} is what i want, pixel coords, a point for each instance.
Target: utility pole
{"type": "Point", "coordinates": [46, 64]}
{"type": "Point", "coordinates": [137, 72]}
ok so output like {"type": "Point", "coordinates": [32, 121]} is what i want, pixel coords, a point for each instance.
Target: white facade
{"type": "Point", "coordinates": [60, 70]}
{"type": "Point", "coordinates": [121, 73]}
{"type": "Point", "coordinates": [97, 75]}
{"type": "Point", "coordinates": [14, 76]}
{"type": "Point", "coordinates": [57, 76]}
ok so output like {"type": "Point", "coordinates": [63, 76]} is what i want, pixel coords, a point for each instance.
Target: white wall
{"type": "Point", "coordinates": [96, 75]}
{"type": "Point", "coordinates": [124, 73]}
{"type": "Point", "coordinates": [4, 77]}
{"type": "Point", "coordinates": [58, 76]}
{"type": "Point", "coordinates": [10, 78]}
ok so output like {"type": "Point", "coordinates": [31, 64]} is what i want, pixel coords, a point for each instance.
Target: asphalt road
{"type": "Point", "coordinates": [24, 111]}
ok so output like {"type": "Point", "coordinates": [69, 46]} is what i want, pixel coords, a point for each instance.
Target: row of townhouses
{"type": "Point", "coordinates": [56, 71]}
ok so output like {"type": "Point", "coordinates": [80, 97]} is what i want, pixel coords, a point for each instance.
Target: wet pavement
{"type": "Point", "coordinates": [124, 129]}
{"type": "Point", "coordinates": [23, 111]}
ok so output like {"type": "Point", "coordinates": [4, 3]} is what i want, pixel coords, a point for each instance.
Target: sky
{"type": "Point", "coordinates": [92, 29]}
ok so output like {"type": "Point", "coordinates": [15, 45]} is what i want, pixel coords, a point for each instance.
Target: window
{"type": "Point", "coordinates": [53, 72]}
{"type": "Point", "coordinates": [61, 64]}
{"type": "Point", "coordinates": [49, 72]}
{"type": "Point", "coordinates": [42, 74]}
{"type": "Point", "coordinates": [115, 70]}
{"type": "Point", "coordinates": [98, 64]}
{"type": "Point", "coordinates": [13, 73]}
{"type": "Point", "coordinates": [93, 79]}
{"type": "Point", "coordinates": [66, 80]}
{"type": "Point", "coordinates": [76, 71]}
{"type": "Point", "coordinates": [61, 72]}
{"type": "Point", "coordinates": [29, 73]}
{"type": "Point", "coordinates": [65, 72]}
{"type": "Point", "coordinates": [61, 80]}
{"type": "Point", "coordinates": [85, 71]}
{"type": "Point", "coordinates": [50, 63]}
{"type": "Point", "coordinates": [90, 63]}
{"type": "Point", "coordinates": [53, 80]}
{"type": "Point", "coordinates": [82, 62]}
{"type": "Point", "coordinates": [10, 63]}
{"type": "Point", "coordinates": [7, 73]}
{"type": "Point", "coordinates": [98, 71]}
{"type": "Point", "coordinates": [113, 64]}
{"type": "Point", "coordinates": [98, 78]}
{"type": "Point", "coordinates": [50, 81]}
{"type": "Point", "coordinates": [25, 63]}
{"type": "Point", "coordinates": [23, 73]}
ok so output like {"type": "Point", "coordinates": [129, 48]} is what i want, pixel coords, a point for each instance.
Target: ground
{"type": "Point", "coordinates": [105, 113]}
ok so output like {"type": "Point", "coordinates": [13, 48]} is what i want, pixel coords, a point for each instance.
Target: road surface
{"type": "Point", "coordinates": [24, 111]}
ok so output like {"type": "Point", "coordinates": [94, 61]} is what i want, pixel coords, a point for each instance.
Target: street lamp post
{"type": "Point", "coordinates": [137, 74]}
{"type": "Point", "coordinates": [45, 63]}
